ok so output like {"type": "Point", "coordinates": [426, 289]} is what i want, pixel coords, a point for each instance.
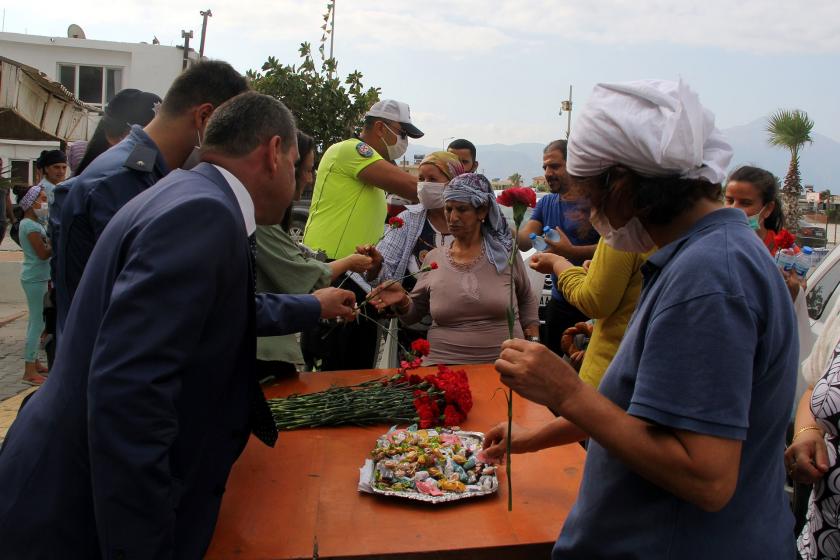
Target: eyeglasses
{"type": "Point", "coordinates": [401, 133]}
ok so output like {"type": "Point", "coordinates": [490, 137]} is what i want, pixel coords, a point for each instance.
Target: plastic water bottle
{"type": "Point", "coordinates": [551, 234]}
{"type": "Point", "coordinates": [785, 259]}
{"type": "Point", "coordinates": [538, 242]}
{"type": "Point", "coordinates": [803, 262]}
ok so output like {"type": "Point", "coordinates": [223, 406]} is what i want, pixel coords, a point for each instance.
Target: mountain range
{"type": "Point", "coordinates": [819, 161]}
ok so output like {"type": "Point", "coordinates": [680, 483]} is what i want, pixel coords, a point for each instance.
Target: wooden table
{"type": "Point", "coordinates": [300, 499]}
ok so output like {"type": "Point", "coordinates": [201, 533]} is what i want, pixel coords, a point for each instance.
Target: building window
{"type": "Point", "coordinates": [96, 85]}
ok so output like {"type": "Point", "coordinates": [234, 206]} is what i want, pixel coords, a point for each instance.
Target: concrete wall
{"type": "Point", "coordinates": [146, 67]}
{"type": "Point", "coordinates": [21, 149]}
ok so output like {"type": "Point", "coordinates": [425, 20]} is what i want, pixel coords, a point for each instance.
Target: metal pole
{"type": "Point", "coordinates": [569, 115]}
{"type": "Point", "coordinates": [205, 15]}
{"type": "Point", "coordinates": [332, 29]}
{"type": "Point", "coordinates": [186, 36]}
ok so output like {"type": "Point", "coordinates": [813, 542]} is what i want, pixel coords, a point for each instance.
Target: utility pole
{"type": "Point", "coordinates": [186, 37]}
{"type": "Point", "coordinates": [567, 106]}
{"type": "Point", "coordinates": [205, 14]}
{"type": "Point", "coordinates": [332, 29]}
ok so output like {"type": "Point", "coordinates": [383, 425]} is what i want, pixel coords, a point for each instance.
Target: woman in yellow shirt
{"type": "Point", "coordinates": [607, 292]}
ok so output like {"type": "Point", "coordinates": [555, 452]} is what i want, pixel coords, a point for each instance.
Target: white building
{"type": "Point", "coordinates": [91, 72]}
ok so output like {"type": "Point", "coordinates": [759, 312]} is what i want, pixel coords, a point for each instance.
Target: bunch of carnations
{"type": "Point", "coordinates": [440, 399]}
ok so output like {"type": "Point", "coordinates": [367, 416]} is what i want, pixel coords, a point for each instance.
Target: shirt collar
{"type": "Point", "coordinates": [243, 197]}
{"type": "Point", "coordinates": [660, 258]}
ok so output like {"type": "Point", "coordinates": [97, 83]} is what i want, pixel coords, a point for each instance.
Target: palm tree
{"type": "Point", "coordinates": [515, 180]}
{"type": "Point", "coordinates": [791, 130]}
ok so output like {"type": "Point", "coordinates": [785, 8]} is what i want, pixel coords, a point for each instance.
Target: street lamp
{"type": "Point", "coordinates": [443, 145]}
{"type": "Point", "coordinates": [566, 105]}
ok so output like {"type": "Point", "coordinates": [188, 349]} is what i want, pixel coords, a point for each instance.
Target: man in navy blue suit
{"type": "Point", "coordinates": [125, 451]}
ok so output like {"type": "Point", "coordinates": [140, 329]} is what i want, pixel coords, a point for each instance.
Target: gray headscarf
{"type": "Point", "coordinates": [475, 189]}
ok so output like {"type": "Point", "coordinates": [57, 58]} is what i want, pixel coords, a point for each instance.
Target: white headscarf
{"type": "Point", "coordinates": [657, 128]}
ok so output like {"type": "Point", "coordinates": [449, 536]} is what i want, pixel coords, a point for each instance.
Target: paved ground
{"type": "Point", "coordinates": [13, 319]}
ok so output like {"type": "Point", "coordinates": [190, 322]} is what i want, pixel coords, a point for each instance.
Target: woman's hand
{"type": "Point", "coordinates": [375, 256]}
{"type": "Point", "coordinates": [387, 294]}
{"type": "Point", "coordinates": [794, 283]}
{"type": "Point", "coordinates": [806, 460]}
{"type": "Point", "coordinates": [536, 373]}
{"type": "Point", "coordinates": [545, 262]}
{"type": "Point", "coordinates": [358, 262]}
{"type": "Point", "coordinates": [495, 442]}
{"type": "Point", "coordinates": [586, 265]}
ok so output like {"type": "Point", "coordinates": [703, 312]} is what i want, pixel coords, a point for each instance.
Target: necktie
{"type": "Point", "coordinates": [262, 421]}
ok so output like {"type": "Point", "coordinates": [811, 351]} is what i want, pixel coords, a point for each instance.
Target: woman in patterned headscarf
{"type": "Point", "coordinates": [467, 293]}
{"type": "Point", "coordinates": [424, 225]}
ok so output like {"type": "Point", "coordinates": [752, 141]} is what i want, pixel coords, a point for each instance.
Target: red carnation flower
{"type": "Point", "coordinates": [433, 265]}
{"type": "Point", "coordinates": [784, 239]}
{"type": "Point", "coordinates": [452, 416]}
{"type": "Point", "coordinates": [421, 346]}
{"type": "Point", "coordinates": [414, 379]}
{"type": "Point", "coordinates": [518, 195]}
{"type": "Point", "coordinates": [396, 222]}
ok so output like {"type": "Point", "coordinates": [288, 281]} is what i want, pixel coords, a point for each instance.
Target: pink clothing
{"type": "Point", "coordinates": [468, 305]}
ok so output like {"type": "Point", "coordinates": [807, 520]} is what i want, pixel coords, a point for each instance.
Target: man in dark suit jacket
{"type": "Point", "coordinates": [125, 451]}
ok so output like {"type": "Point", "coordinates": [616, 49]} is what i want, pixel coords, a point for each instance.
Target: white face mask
{"type": "Point", "coordinates": [397, 150]}
{"type": "Point", "coordinates": [632, 237]}
{"type": "Point", "coordinates": [430, 194]}
{"type": "Point", "coordinates": [42, 213]}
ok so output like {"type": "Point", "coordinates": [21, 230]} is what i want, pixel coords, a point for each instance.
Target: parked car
{"type": "Point", "coordinates": [300, 213]}
{"type": "Point", "coordinates": [811, 235]}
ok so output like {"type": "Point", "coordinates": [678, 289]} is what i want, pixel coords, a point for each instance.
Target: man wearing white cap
{"type": "Point", "coordinates": [687, 427]}
{"type": "Point", "coordinates": [348, 211]}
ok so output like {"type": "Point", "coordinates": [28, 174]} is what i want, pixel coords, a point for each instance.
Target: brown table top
{"type": "Point", "coordinates": [300, 499]}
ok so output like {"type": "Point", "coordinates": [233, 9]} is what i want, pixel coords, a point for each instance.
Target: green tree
{"type": "Point", "coordinates": [791, 130]}
{"type": "Point", "coordinates": [515, 180]}
{"type": "Point", "coordinates": [326, 107]}
{"type": "Point", "coordinates": [825, 198]}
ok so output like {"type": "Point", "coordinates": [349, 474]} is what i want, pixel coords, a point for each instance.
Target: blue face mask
{"type": "Point", "coordinates": [755, 219]}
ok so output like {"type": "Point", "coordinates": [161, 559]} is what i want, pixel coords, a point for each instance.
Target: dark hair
{"type": "Point", "coordinates": [557, 145]}
{"type": "Point", "coordinates": [241, 124]}
{"type": "Point", "coordinates": [305, 144]}
{"type": "Point", "coordinates": [461, 144]}
{"type": "Point", "coordinates": [768, 186]}
{"type": "Point", "coordinates": [658, 200]}
{"type": "Point", "coordinates": [208, 81]}
{"type": "Point", "coordinates": [107, 127]}
{"type": "Point", "coordinates": [370, 121]}
{"type": "Point", "coordinates": [128, 107]}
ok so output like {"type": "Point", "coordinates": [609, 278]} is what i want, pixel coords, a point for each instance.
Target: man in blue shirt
{"type": "Point", "coordinates": [85, 204]}
{"type": "Point", "coordinates": [566, 212]}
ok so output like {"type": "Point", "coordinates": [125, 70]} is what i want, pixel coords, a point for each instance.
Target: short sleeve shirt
{"type": "Point", "coordinates": [570, 216]}
{"type": "Point", "coordinates": [345, 212]}
{"type": "Point", "coordinates": [34, 268]}
{"type": "Point", "coordinates": [712, 349]}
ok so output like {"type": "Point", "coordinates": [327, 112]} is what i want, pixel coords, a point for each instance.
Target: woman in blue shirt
{"type": "Point", "coordinates": [34, 275]}
{"type": "Point", "coordinates": [687, 427]}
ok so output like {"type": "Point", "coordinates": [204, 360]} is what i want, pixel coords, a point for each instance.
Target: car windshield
{"type": "Point", "coordinates": [818, 297]}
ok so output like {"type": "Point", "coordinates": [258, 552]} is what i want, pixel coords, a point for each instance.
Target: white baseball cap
{"type": "Point", "coordinates": [395, 111]}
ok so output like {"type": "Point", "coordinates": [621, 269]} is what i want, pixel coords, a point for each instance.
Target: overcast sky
{"type": "Point", "coordinates": [495, 71]}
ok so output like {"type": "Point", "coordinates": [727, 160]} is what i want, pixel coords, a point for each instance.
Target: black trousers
{"type": "Point", "coordinates": [342, 346]}
{"type": "Point", "coordinates": [559, 316]}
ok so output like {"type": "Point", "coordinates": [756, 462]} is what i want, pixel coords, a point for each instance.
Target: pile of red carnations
{"type": "Point", "coordinates": [439, 399]}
